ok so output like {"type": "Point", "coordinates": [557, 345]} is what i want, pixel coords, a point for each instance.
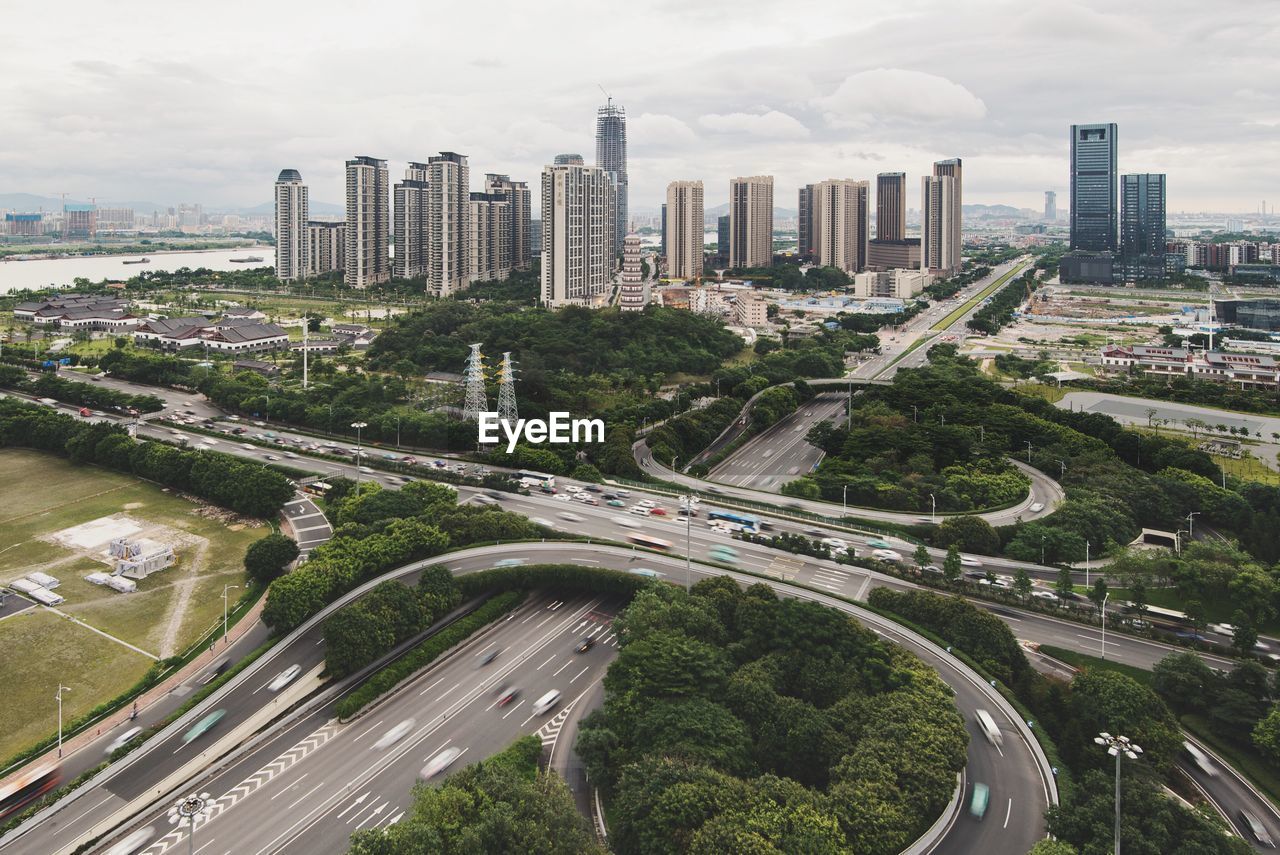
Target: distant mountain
{"type": "Point", "coordinates": [30, 202]}
{"type": "Point", "coordinates": [722, 209]}
{"type": "Point", "coordinates": [993, 212]}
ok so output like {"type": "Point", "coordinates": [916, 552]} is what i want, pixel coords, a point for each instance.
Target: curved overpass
{"type": "Point", "coordinates": [1017, 772]}
{"type": "Point", "coordinates": [1044, 490]}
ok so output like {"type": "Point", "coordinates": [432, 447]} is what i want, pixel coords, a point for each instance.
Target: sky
{"type": "Point", "coordinates": [174, 101]}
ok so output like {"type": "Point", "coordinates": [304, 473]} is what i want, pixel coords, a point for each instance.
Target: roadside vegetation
{"type": "Point", "coordinates": [735, 721]}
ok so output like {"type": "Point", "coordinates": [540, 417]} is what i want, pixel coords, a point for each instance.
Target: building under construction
{"type": "Point", "coordinates": [138, 560]}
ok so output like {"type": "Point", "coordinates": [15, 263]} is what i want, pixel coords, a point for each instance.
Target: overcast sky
{"type": "Point", "coordinates": [178, 101]}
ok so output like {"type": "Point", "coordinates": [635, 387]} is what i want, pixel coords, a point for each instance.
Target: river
{"type": "Point", "coordinates": [40, 273]}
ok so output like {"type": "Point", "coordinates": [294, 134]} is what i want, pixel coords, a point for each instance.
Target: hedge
{"type": "Point", "coordinates": [426, 652]}
{"type": "Point", "coordinates": [579, 577]}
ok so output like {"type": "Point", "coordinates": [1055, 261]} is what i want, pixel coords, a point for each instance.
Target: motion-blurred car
{"type": "Point", "coordinates": [202, 726]}
{"type": "Point", "coordinates": [133, 843]}
{"type": "Point", "coordinates": [395, 734]}
{"type": "Point", "coordinates": [440, 762]}
{"type": "Point", "coordinates": [284, 678]}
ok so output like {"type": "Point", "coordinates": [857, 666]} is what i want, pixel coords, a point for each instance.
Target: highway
{"type": "Point", "coordinates": [780, 453]}
{"type": "Point", "coordinates": [300, 758]}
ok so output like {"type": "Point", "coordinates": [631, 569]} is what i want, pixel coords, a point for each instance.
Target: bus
{"type": "Point", "coordinates": [318, 488]}
{"type": "Point", "coordinates": [1156, 614]}
{"type": "Point", "coordinates": [650, 542]}
{"type": "Point", "coordinates": [747, 521]}
{"type": "Point", "coordinates": [535, 479]}
{"type": "Point", "coordinates": [27, 786]}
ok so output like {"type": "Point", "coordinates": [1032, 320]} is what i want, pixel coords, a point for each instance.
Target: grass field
{"type": "Point", "coordinates": [1248, 469]}
{"type": "Point", "coordinates": [169, 611]}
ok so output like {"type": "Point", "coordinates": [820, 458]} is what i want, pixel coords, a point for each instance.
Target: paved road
{"type": "Point", "coordinates": [310, 527]}
{"type": "Point", "coordinates": [319, 781]}
{"type": "Point", "coordinates": [780, 453]}
{"type": "Point", "coordinates": [1019, 795]}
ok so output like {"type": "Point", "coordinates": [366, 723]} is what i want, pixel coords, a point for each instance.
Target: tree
{"type": "Point", "coordinates": [1185, 681]}
{"type": "Point", "coordinates": [1022, 582]}
{"type": "Point", "coordinates": [1243, 635]}
{"type": "Point", "coordinates": [951, 566]}
{"type": "Point", "coordinates": [1266, 735]}
{"type": "Point", "coordinates": [1098, 593]}
{"type": "Point", "coordinates": [921, 556]}
{"type": "Point", "coordinates": [267, 558]}
{"type": "Point", "coordinates": [1065, 586]}
{"type": "Point", "coordinates": [1049, 846]}
{"type": "Point", "coordinates": [970, 533]}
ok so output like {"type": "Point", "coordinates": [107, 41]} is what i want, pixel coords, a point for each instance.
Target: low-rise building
{"type": "Point", "coordinates": [898, 284]}
{"type": "Point", "coordinates": [228, 335]}
{"type": "Point", "coordinates": [358, 336]}
{"type": "Point", "coordinates": [1250, 370]}
{"type": "Point", "coordinates": [751, 311]}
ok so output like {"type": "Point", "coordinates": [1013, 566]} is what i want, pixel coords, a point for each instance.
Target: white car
{"type": "Point", "coordinates": [284, 678]}
{"type": "Point", "coordinates": [395, 734]}
{"type": "Point", "coordinates": [562, 497]}
{"type": "Point", "coordinates": [970, 561]}
{"type": "Point", "coordinates": [542, 521]}
{"type": "Point", "coordinates": [1044, 595]}
{"type": "Point", "coordinates": [834, 543]}
{"type": "Point", "coordinates": [570, 517]}
{"type": "Point", "coordinates": [1036, 507]}
{"type": "Point", "coordinates": [646, 503]}
{"type": "Point", "coordinates": [625, 523]}
{"type": "Point", "coordinates": [886, 555]}
{"type": "Point", "coordinates": [133, 843]}
{"type": "Point", "coordinates": [639, 510]}
{"type": "Point", "coordinates": [546, 702]}
{"type": "Point", "coordinates": [123, 739]}
{"type": "Point", "coordinates": [440, 762]}
{"type": "Point", "coordinates": [572, 488]}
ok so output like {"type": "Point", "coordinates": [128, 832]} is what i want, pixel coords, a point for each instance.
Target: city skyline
{"type": "Point", "coordinates": [110, 126]}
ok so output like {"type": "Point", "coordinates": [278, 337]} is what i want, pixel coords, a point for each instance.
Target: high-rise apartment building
{"type": "Point", "coordinates": [751, 221]}
{"type": "Point", "coordinates": [1050, 206]}
{"type": "Point", "coordinates": [517, 193]}
{"type": "Point", "coordinates": [115, 219]}
{"type": "Point", "coordinates": [79, 220]}
{"type": "Point", "coordinates": [490, 234]}
{"type": "Point", "coordinates": [368, 222]}
{"type": "Point", "coordinates": [411, 214]}
{"type": "Point", "coordinates": [448, 223]}
{"type": "Point", "coordinates": [291, 226]}
{"type": "Point", "coordinates": [1093, 187]}
{"type": "Point", "coordinates": [578, 205]}
{"type": "Point", "coordinates": [662, 228]}
{"type": "Point", "coordinates": [326, 247]}
{"type": "Point", "coordinates": [804, 217]}
{"type": "Point", "coordinates": [841, 225]}
{"type": "Point", "coordinates": [569, 160]}
{"type": "Point", "coordinates": [632, 294]}
{"type": "Point", "coordinates": [891, 205]}
{"type": "Point", "coordinates": [1142, 226]}
{"type": "Point", "coordinates": [611, 156]}
{"type": "Point", "coordinates": [940, 218]}
{"type": "Point", "coordinates": [722, 240]}
{"type": "Point", "coordinates": [685, 230]}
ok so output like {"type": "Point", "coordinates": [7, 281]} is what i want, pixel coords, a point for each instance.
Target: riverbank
{"type": "Point", "coordinates": [132, 249]}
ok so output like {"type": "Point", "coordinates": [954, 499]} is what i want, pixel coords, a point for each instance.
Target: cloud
{"type": "Point", "coordinates": [769, 125]}
{"type": "Point", "coordinates": [658, 130]}
{"type": "Point", "coordinates": [887, 94]}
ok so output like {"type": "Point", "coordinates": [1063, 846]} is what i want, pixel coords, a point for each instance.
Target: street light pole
{"type": "Point", "coordinates": [1062, 470]}
{"type": "Point", "coordinates": [844, 498]}
{"type": "Point", "coordinates": [359, 426]}
{"type": "Point", "coordinates": [225, 589]}
{"type": "Point", "coordinates": [1086, 564]}
{"type": "Point", "coordinates": [61, 689]}
{"type": "Point", "coordinates": [1191, 522]}
{"type": "Point", "coordinates": [688, 532]}
{"type": "Point", "coordinates": [933, 509]}
{"type": "Point", "coordinates": [1117, 747]}
{"type": "Point", "coordinates": [1028, 451]}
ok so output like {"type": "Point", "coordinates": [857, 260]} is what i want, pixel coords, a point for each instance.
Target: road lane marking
{"type": "Point", "coordinates": [1008, 810]}
{"type": "Point", "coordinates": [356, 803]}
{"type": "Point", "coordinates": [290, 787]}
{"type": "Point", "coordinates": [580, 673]}
{"type": "Point", "coordinates": [514, 708]}
{"type": "Point", "coordinates": [562, 667]}
{"type": "Point", "coordinates": [447, 691]}
{"type": "Point", "coordinates": [432, 686]}
{"type": "Point", "coordinates": [549, 658]}
{"type": "Point", "coordinates": [362, 735]}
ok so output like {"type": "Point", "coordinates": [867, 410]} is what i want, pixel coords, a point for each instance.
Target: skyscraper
{"type": "Point", "coordinates": [569, 160]}
{"type": "Point", "coordinates": [722, 240]}
{"type": "Point", "coordinates": [368, 222]}
{"type": "Point", "coordinates": [448, 223]}
{"type": "Point", "coordinates": [751, 221]}
{"type": "Point", "coordinates": [841, 226]}
{"type": "Point", "coordinates": [410, 215]}
{"type": "Point", "coordinates": [804, 217]}
{"type": "Point", "coordinates": [1050, 206]}
{"type": "Point", "coordinates": [940, 218]}
{"type": "Point", "coordinates": [291, 226]}
{"type": "Point", "coordinates": [1093, 187]}
{"type": "Point", "coordinates": [517, 193]}
{"type": "Point", "coordinates": [632, 293]}
{"type": "Point", "coordinates": [1142, 226]}
{"type": "Point", "coordinates": [490, 235]}
{"type": "Point", "coordinates": [611, 156]}
{"type": "Point", "coordinates": [663, 230]}
{"type": "Point", "coordinates": [326, 247]}
{"type": "Point", "coordinates": [891, 205]}
{"type": "Point", "coordinates": [685, 230]}
{"type": "Point", "coordinates": [577, 234]}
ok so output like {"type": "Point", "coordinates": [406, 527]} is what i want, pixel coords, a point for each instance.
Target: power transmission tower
{"type": "Point", "coordinates": [476, 401]}
{"type": "Point", "coordinates": [507, 390]}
